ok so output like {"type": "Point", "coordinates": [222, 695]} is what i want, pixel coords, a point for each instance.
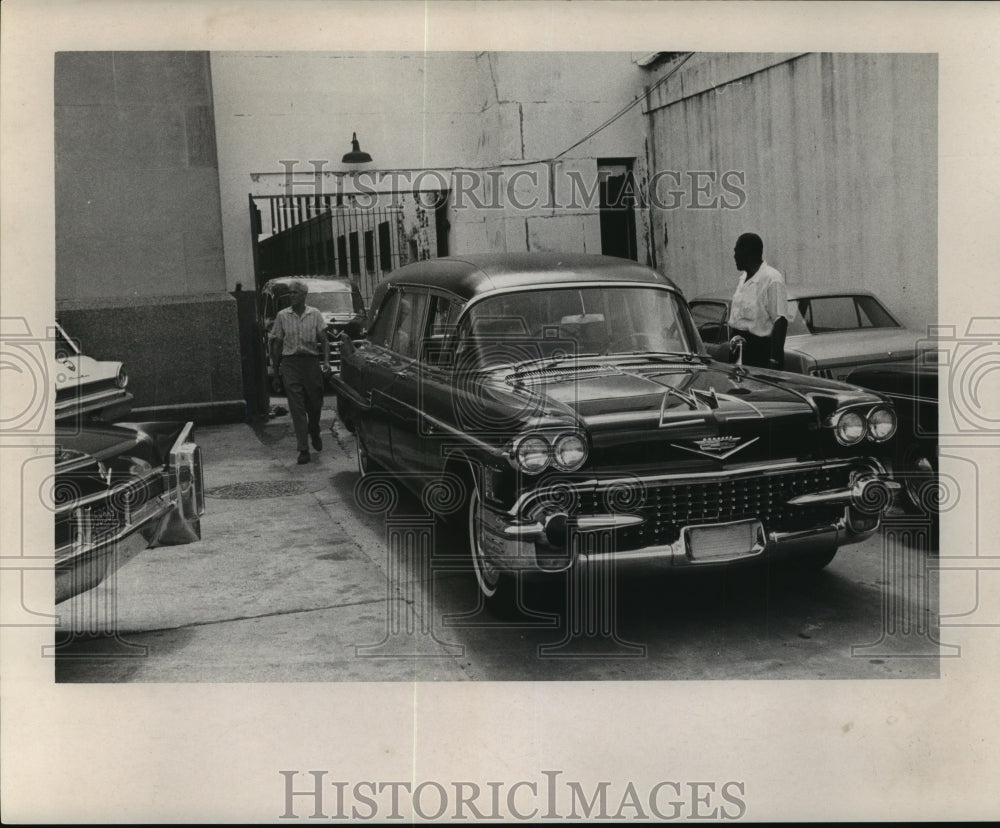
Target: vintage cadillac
{"type": "Point", "coordinates": [575, 402]}
{"type": "Point", "coordinates": [118, 488]}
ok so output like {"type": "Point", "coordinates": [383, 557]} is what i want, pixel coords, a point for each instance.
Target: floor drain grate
{"type": "Point", "coordinates": [258, 489]}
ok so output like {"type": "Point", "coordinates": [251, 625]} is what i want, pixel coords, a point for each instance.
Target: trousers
{"type": "Point", "coordinates": [303, 381]}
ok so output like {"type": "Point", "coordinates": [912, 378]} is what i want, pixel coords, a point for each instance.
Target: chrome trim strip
{"type": "Point", "coordinates": [182, 438]}
{"type": "Point", "coordinates": [595, 523]}
{"type": "Point", "coordinates": [829, 496]}
{"type": "Point", "coordinates": [89, 399]}
{"type": "Point", "coordinates": [461, 435]}
{"type": "Point", "coordinates": [585, 523]}
{"type": "Point", "coordinates": [855, 492]}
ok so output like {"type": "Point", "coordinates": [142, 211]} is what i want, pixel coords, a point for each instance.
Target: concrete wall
{"type": "Point", "coordinates": [839, 153]}
{"type": "Point", "coordinates": [140, 274]}
{"type": "Point", "coordinates": [428, 111]}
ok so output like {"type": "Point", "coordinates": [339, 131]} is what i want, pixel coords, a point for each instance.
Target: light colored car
{"type": "Point", "coordinates": [87, 388]}
{"type": "Point", "coordinates": [339, 300]}
{"type": "Point", "coordinates": [830, 333]}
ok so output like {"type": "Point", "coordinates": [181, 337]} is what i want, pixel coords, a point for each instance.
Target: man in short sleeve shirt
{"type": "Point", "coordinates": [759, 305]}
{"type": "Point", "coordinates": [298, 338]}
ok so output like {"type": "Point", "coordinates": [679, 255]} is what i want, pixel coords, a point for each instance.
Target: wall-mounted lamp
{"type": "Point", "coordinates": [356, 156]}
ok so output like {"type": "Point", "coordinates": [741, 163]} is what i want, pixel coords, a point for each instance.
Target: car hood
{"type": "Point", "coordinates": [598, 390]}
{"type": "Point", "coordinates": [871, 345]}
{"type": "Point", "coordinates": [635, 411]}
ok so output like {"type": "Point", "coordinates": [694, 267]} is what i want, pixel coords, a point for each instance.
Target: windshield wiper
{"type": "Point", "coordinates": [687, 356]}
{"type": "Point", "coordinates": [550, 361]}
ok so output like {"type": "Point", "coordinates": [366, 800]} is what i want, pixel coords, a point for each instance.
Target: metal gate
{"type": "Point", "coordinates": [314, 236]}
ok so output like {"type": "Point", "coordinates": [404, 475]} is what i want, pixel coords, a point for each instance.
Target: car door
{"type": "Point", "coordinates": [403, 392]}
{"type": "Point", "coordinates": [435, 401]}
{"type": "Point", "coordinates": [374, 382]}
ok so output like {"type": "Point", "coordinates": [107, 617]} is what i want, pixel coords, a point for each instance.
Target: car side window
{"type": "Point", "coordinates": [381, 330]}
{"type": "Point", "coordinates": [832, 313]}
{"type": "Point", "coordinates": [443, 317]}
{"type": "Point", "coordinates": [872, 314]}
{"type": "Point", "coordinates": [409, 324]}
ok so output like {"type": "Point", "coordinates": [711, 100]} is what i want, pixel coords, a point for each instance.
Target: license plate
{"type": "Point", "coordinates": [724, 541]}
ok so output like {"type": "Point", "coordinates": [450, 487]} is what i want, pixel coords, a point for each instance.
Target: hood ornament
{"type": "Point", "coordinates": [736, 344]}
{"type": "Point", "coordinates": [105, 473]}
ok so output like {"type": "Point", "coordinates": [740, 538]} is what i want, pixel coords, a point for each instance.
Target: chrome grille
{"type": "Point", "coordinates": [101, 516]}
{"type": "Point", "coordinates": [668, 506]}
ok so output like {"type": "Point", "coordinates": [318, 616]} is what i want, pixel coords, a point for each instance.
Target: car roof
{"type": "Point", "coordinates": [475, 274]}
{"type": "Point", "coordinates": [799, 292]}
{"type": "Point", "coordinates": [316, 284]}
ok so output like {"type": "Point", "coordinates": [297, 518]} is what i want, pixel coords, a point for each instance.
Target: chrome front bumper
{"type": "Point", "coordinates": [556, 541]}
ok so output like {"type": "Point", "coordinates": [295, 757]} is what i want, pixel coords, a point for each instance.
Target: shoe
{"type": "Point", "coordinates": [317, 442]}
{"type": "Point", "coordinates": [303, 457]}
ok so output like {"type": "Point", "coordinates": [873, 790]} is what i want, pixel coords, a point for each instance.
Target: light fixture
{"type": "Point", "coordinates": [356, 156]}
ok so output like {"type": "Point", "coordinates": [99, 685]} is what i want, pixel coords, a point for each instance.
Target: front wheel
{"type": "Point", "coordinates": [497, 588]}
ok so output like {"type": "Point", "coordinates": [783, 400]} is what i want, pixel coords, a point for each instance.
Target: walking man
{"type": "Point", "coordinates": [298, 338]}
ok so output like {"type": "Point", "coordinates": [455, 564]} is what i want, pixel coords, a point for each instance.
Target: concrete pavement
{"type": "Point", "coordinates": [280, 588]}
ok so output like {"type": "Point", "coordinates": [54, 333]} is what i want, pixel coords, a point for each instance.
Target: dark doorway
{"type": "Point", "coordinates": [617, 193]}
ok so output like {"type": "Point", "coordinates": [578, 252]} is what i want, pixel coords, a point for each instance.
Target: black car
{"type": "Point", "coordinates": [117, 488]}
{"type": "Point", "coordinates": [913, 452]}
{"type": "Point", "coordinates": [573, 398]}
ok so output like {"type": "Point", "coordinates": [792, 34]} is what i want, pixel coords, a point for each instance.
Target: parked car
{"type": "Point", "coordinates": [87, 388]}
{"type": "Point", "coordinates": [117, 488]}
{"type": "Point", "coordinates": [339, 300]}
{"type": "Point", "coordinates": [572, 397]}
{"type": "Point", "coordinates": [913, 388]}
{"type": "Point", "coordinates": [829, 332]}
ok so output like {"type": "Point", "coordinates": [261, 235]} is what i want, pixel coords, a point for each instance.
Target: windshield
{"type": "Point", "coordinates": [332, 302]}
{"type": "Point", "coordinates": [569, 322]}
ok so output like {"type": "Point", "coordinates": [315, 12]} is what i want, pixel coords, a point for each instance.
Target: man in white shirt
{"type": "Point", "coordinates": [759, 305]}
{"type": "Point", "coordinates": [297, 338]}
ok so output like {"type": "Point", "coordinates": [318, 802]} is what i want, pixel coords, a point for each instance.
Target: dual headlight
{"type": "Point", "coordinates": [533, 453]}
{"type": "Point", "coordinates": [121, 379]}
{"type": "Point", "coordinates": [852, 426]}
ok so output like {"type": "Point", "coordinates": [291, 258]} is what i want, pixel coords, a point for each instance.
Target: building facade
{"type": "Point", "coordinates": [140, 272]}
{"type": "Point", "coordinates": [174, 171]}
